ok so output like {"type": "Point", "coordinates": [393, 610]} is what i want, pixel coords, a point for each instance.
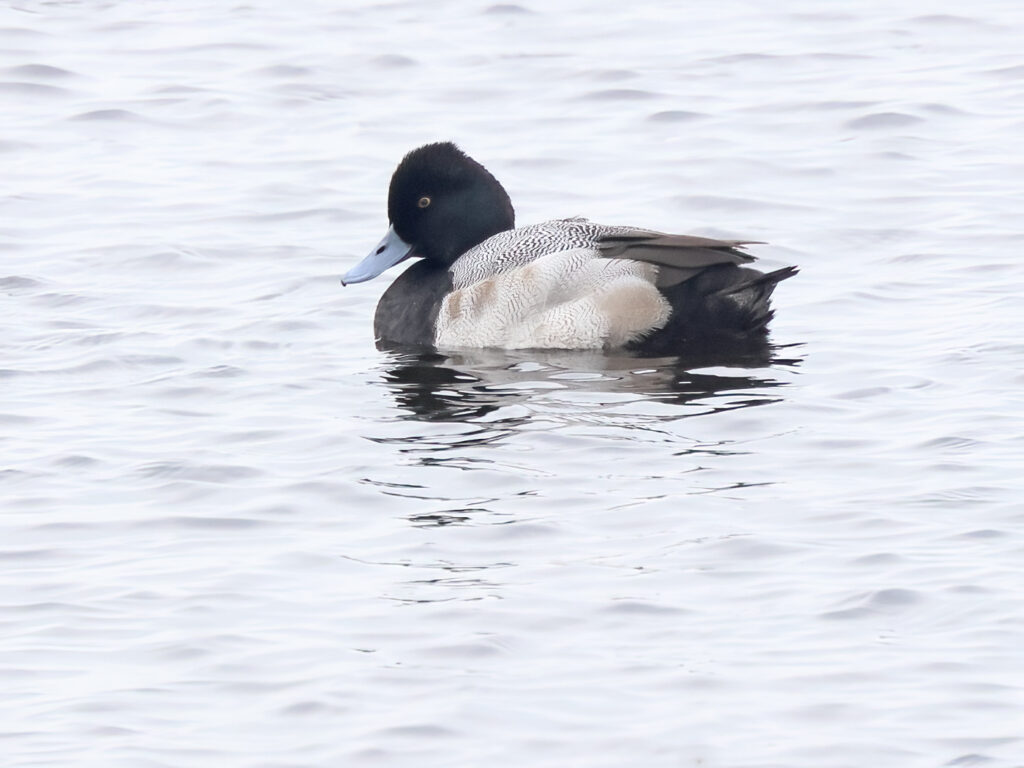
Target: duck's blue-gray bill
{"type": "Point", "coordinates": [391, 250]}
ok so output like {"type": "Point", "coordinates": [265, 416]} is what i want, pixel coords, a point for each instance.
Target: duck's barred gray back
{"type": "Point", "coordinates": [516, 248]}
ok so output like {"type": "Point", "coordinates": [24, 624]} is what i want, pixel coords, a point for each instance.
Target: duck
{"type": "Point", "coordinates": [477, 281]}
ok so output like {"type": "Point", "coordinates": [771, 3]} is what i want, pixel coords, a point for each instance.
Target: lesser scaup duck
{"type": "Point", "coordinates": [562, 284]}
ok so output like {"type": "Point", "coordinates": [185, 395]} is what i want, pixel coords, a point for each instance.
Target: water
{"type": "Point", "coordinates": [236, 534]}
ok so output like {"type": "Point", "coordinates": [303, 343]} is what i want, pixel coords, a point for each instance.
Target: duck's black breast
{"type": "Point", "coordinates": [407, 312]}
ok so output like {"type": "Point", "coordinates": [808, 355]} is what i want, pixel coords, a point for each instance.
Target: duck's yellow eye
{"type": "Point", "coordinates": [423, 202]}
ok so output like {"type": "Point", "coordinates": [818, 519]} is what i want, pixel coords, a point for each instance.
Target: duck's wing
{"type": "Point", "coordinates": [679, 257]}
{"type": "Point", "coordinates": [515, 248]}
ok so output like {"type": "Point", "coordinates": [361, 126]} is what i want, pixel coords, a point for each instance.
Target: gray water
{"type": "Point", "coordinates": [234, 533]}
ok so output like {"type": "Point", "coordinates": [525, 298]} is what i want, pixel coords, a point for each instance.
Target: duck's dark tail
{"type": "Point", "coordinates": [723, 308]}
{"type": "Point", "coordinates": [751, 295]}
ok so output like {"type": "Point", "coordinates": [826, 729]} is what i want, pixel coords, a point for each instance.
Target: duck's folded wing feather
{"type": "Point", "coordinates": [679, 257]}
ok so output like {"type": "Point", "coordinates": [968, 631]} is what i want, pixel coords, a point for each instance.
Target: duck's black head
{"type": "Point", "coordinates": [443, 202]}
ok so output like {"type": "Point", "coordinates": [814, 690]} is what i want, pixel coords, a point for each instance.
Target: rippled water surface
{"type": "Point", "coordinates": [234, 533]}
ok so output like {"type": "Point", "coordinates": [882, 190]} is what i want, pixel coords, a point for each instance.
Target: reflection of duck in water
{"type": "Point", "coordinates": [464, 387]}
{"type": "Point", "coordinates": [563, 284]}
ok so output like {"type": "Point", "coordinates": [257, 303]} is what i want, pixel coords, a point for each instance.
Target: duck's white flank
{"type": "Point", "coordinates": [567, 300]}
